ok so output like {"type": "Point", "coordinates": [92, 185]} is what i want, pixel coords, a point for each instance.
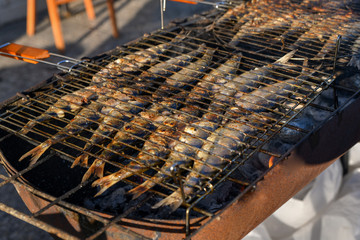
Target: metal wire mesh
{"type": "Point", "coordinates": [282, 92]}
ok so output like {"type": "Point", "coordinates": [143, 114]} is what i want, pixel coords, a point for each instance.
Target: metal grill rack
{"type": "Point", "coordinates": [312, 68]}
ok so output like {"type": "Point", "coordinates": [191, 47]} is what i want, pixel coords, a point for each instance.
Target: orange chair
{"type": "Point", "coordinates": [55, 18]}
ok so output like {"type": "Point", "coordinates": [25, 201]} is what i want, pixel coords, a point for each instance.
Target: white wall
{"type": "Point", "coordinates": [12, 10]}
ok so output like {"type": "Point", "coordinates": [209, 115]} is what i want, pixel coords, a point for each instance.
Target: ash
{"type": "Point", "coordinates": [108, 202]}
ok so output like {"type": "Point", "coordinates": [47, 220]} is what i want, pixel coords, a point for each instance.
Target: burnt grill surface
{"type": "Point", "coordinates": [259, 35]}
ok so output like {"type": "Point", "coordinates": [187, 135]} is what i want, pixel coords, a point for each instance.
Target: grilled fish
{"type": "Point", "coordinates": [175, 64]}
{"type": "Point", "coordinates": [155, 148]}
{"type": "Point", "coordinates": [250, 80]}
{"type": "Point", "coordinates": [134, 61]}
{"type": "Point", "coordinates": [190, 138]}
{"type": "Point", "coordinates": [221, 92]}
{"type": "Point", "coordinates": [71, 102]}
{"type": "Point", "coordinates": [118, 109]}
{"type": "Point", "coordinates": [194, 70]}
{"type": "Point", "coordinates": [87, 116]}
{"type": "Point", "coordinates": [265, 22]}
{"type": "Point", "coordinates": [139, 127]}
{"type": "Point", "coordinates": [180, 79]}
{"type": "Point", "coordinates": [219, 149]}
{"type": "Point", "coordinates": [189, 75]}
{"type": "Point", "coordinates": [116, 118]}
{"type": "Point", "coordinates": [145, 159]}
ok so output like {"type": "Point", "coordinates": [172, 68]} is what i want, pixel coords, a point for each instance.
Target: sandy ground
{"type": "Point", "coordinates": [83, 38]}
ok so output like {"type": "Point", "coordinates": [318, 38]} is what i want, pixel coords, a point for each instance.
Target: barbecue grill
{"type": "Point", "coordinates": [298, 111]}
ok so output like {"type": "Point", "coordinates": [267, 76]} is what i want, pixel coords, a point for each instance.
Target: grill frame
{"type": "Point", "coordinates": [35, 88]}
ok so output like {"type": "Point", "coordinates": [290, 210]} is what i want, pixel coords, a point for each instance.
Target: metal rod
{"type": "Point", "coordinates": [177, 179]}
{"type": "Point", "coordinates": [338, 42]}
{"type": "Point", "coordinates": [162, 14]}
{"type": "Point", "coordinates": [37, 223]}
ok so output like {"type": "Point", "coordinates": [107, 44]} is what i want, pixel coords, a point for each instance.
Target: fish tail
{"type": "Point", "coordinates": [97, 167]}
{"type": "Point", "coordinates": [106, 182]}
{"type": "Point", "coordinates": [82, 159]}
{"type": "Point", "coordinates": [36, 152]}
{"type": "Point", "coordinates": [286, 57]}
{"type": "Point", "coordinates": [33, 122]}
{"type": "Point", "coordinates": [174, 201]}
{"type": "Point", "coordinates": [141, 189]}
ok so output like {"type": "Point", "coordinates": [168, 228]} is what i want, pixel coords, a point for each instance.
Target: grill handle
{"type": "Point", "coordinates": [36, 55]}
{"type": "Point", "coordinates": [24, 53]}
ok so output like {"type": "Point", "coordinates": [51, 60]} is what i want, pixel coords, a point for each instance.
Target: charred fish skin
{"type": "Point", "coordinates": [140, 127]}
{"type": "Point", "coordinates": [192, 73]}
{"type": "Point", "coordinates": [147, 80]}
{"type": "Point", "coordinates": [250, 80]}
{"type": "Point", "coordinates": [175, 64]}
{"type": "Point", "coordinates": [102, 83]}
{"type": "Point", "coordinates": [118, 70]}
{"type": "Point", "coordinates": [267, 97]}
{"type": "Point", "coordinates": [147, 160]}
{"type": "Point", "coordinates": [189, 139]}
{"type": "Point", "coordinates": [71, 102]}
{"type": "Point", "coordinates": [179, 121]}
{"type": "Point", "coordinates": [210, 83]}
{"type": "Point", "coordinates": [116, 111]}
{"type": "Point", "coordinates": [182, 153]}
{"type": "Point", "coordinates": [222, 145]}
{"type": "Point", "coordinates": [137, 128]}
{"type": "Point", "coordinates": [82, 120]}
{"type": "Point", "coordinates": [156, 115]}
{"type": "Point", "coordinates": [261, 23]}
{"type": "Point", "coordinates": [172, 64]}
{"type": "Point", "coordinates": [134, 61]}
{"type": "Point", "coordinates": [155, 148]}
{"type": "Point", "coordinates": [116, 119]}
{"type": "Point", "coordinates": [319, 31]}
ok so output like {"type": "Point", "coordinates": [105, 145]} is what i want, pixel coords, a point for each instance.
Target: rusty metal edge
{"type": "Point", "coordinates": [318, 150]}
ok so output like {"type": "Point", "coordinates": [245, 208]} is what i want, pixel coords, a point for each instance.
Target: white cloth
{"type": "Point", "coordinates": [327, 209]}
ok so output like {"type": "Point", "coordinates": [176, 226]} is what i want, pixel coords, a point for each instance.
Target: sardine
{"type": "Point", "coordinates": [118, 109]}
{"type": "Point", "coordinates": [155, 148]}
{"type": "Point", "coordinates": [193, 134]}
{"type": "Point", "coordinates": [134, 61]}
{"type": "Point", "coordinates": [71, 102]}
{"type": "Point", "coordinates": [175, 64]}
{"type": "Point", "coordinates": [210, 121]}
{"type": "Point", "coordinates": [194, 69]}
{"type": "Point", "coordinates": [265, 22]}
{"type": "Point", "coordinates": [161, 149]}
{"type": "Point", "coordinates": [217, 151]}
{"type": "Point", "coordinates": [189, 75]}
{"type": "Point", "coordinates": [190, 138]}
{"type": "Point", "coordinates": [319, 31]}
{"type": "Point", "coordinates": [250, 80]}
{"type": "Point", "coordinates": [209, 159]}
{"type": "Point", "coordinates": [115, 118]}
{"type": "Point", "coordinates": [139, 127]}
{"type": "Point", "coordinates": [86, 117]}
{"type": "Point", "coordinates": [267, 97]}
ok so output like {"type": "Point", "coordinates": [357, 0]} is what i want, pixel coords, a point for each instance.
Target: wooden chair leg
{"type": "Point", "coordinates": [31, 17]}
{"type": "Point", "coordinates": [56, 24]}
{"type": "Point", "coordinates": [110, 4]}
{"type": "Point", "coordinates": [89, 9]}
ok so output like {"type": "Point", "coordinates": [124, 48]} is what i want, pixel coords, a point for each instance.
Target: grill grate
{"type": "Point", "coordinates": [279, 92]}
